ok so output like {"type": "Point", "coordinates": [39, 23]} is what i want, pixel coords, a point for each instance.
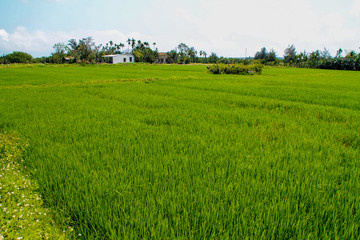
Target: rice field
{"type": "Point", "coordinates": [172, 152]}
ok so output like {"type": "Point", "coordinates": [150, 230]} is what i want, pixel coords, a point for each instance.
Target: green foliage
{"type": "Point", "coordinates": [267, 58]}
{"type": "Point", "coordinates": [323, 60]}
{"type": "Point", "coordinates": [238, 69]}
{"type": "Point", "coordinates": [183, 54]}
{"type": "Point", "coordinates": [213, 58]}
{"type": "Point", "coordinates": [112, 48]}
{"type": "Point", "coordinates": [22, 215]}
{"type": "Point", "coordinates": [262, 54]}
{"type": "Point", "coordinates": [143, 53]}
{"type": "Point", "coordinates": [43, 60]}
{"type": "Point", "coordinates": [84, 51]}
{"type": "Point", "coordinates": [290, 54]}
{"type": "Point", "coordinates": [59, 54]}
{"type": "Point", "coordinates": [171, 152]}
{"type": "Point", "coordinates": [172, 56]}
{"type": "Point", "coordinates": [2, 59]}
{"type": "Point", "coordinates": [18, 57]}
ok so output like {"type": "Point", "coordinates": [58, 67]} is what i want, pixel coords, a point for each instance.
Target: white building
{"type": "Point", "coordinates": [118, 58]}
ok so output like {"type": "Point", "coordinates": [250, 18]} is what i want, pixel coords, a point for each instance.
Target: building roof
{"type": "Point", "coordinates": [113, 55]}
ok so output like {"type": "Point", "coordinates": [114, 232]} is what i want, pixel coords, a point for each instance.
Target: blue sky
{"type": "Point", "coordinates": [226, 27]}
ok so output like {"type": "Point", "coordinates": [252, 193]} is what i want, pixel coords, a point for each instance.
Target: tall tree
{"type": "Point", "coordinates": [191, 52]}
{"type": "Point", "coordinates": [262, 54]}
{"type": "Point", "coordinates": [213, 58]}
{"type": "Point", "coordinates": [121, 46]}
{"type": "Point", "coordinates": [59, 54]}
{"type": "Point", "coordinates": [290, 54]}
{"type": "Point", "coordinates": [172, 56]}
{"type": "Point", "coordinates": [271, 56]}
{"type": "Point", "coordinates": [129, 43]}
{"type": "Point", "coordinates": [84, 50]}
{"type": "Point", "coordinates": [143, 53]}
{"type": "Point", "coordinates": [133, 43]}
{"type": "Point", "coordinates": [338, 53]}
{"type": "Point", "coordinates": [351, 54]}
{"type": "Point", "coordinates": [325, 54]}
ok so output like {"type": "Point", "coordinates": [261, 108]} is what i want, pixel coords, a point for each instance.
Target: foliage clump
{"type": "Point", "coordinates": [237, 69]}
{"type": "Point", "coordinates": [22, 215]}
{"type": "Point", "coordinates": [16, 57]}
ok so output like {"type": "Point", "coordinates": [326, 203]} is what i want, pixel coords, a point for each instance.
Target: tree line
{"type": "Point", "coordinates": [85, 50]}
{"type": "Point", "coordinates": [322, 59]}
{"type": "Point", "coordinates": [350, 60]}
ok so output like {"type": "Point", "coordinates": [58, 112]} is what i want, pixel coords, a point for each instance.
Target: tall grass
{"type": "Point", "coordinates": [131, 152]}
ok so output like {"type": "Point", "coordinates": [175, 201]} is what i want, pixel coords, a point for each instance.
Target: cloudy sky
{"type": "Point", "coordinates": [230, 28]}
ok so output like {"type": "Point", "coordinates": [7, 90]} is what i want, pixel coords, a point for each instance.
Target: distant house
{"type": "Point", "coordinates": [118, 58]}
{"type": "Point", "coordinates": [162, 58]}
{"type": "Point", "coordinates": [68, 59]}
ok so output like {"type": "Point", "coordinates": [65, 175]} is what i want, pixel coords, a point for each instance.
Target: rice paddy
{"type": "Point", "coordinates": [172, 152]}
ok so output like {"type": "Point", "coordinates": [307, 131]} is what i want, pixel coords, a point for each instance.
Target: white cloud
{"type": "Point", "coordinates": [41, 43]}
{"type": "Point", "coordinates": [23, 40]}
{"type": "Point", "coordinates": [4, 36]}
{"type": "Point", "coordinates": [227, 27]}
{"type": "Point", "coordinates": [355, 10]}
{"type": "Point", "coordinates": [233, 25]}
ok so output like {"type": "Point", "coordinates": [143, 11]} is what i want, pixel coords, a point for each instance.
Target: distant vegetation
{"type": "Point", "coordinates": [322, 59]}
{"type": "Point", "coordinates": [86, 51]}
{"type": "Point", "coordinates": [238, 69]}
{"type": "Point", "coordinates": [17, 57]}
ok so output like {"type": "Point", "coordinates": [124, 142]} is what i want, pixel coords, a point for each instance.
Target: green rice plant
{"type": "Point", "coordinates": [169, 151]}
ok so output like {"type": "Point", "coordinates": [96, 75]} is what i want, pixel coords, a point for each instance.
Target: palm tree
{"type": "Point", "coordinates": [154, 44]}
{"type": "Point", "coordinates": [202, 53]}
{"type": "Point", "coordinates": [121, 45]}
{"type": "Point", "coordinates": [117, 47]}
{"type": "Point", "coordinates": [128, 42]}
{"type": "Point", "coordinates": [192, 53]}
{"type": "Point", "coordinates": [133, 41]}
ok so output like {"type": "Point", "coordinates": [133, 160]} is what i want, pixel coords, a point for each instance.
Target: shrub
{"type": "Point", "coordinates": [238, 69]}
{"type": "Point", "coordinates": [18, 57]}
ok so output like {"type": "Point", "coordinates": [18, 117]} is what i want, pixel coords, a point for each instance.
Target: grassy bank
{"type": "Point", "coordinates": [22, 214]}
{"type": "Point", "coordinates": [142, 151]}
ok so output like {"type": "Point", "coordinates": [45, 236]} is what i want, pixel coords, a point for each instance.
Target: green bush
{"type": "Point", "coordinates": [18, 57]}
{"type": "Point", "coordinates": [238, 69]}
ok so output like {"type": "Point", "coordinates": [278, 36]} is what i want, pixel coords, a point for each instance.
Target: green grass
{"type": "Point", "coordinates": [163, 152]}
{"type": "Point", "coordinates": [22, 214]}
